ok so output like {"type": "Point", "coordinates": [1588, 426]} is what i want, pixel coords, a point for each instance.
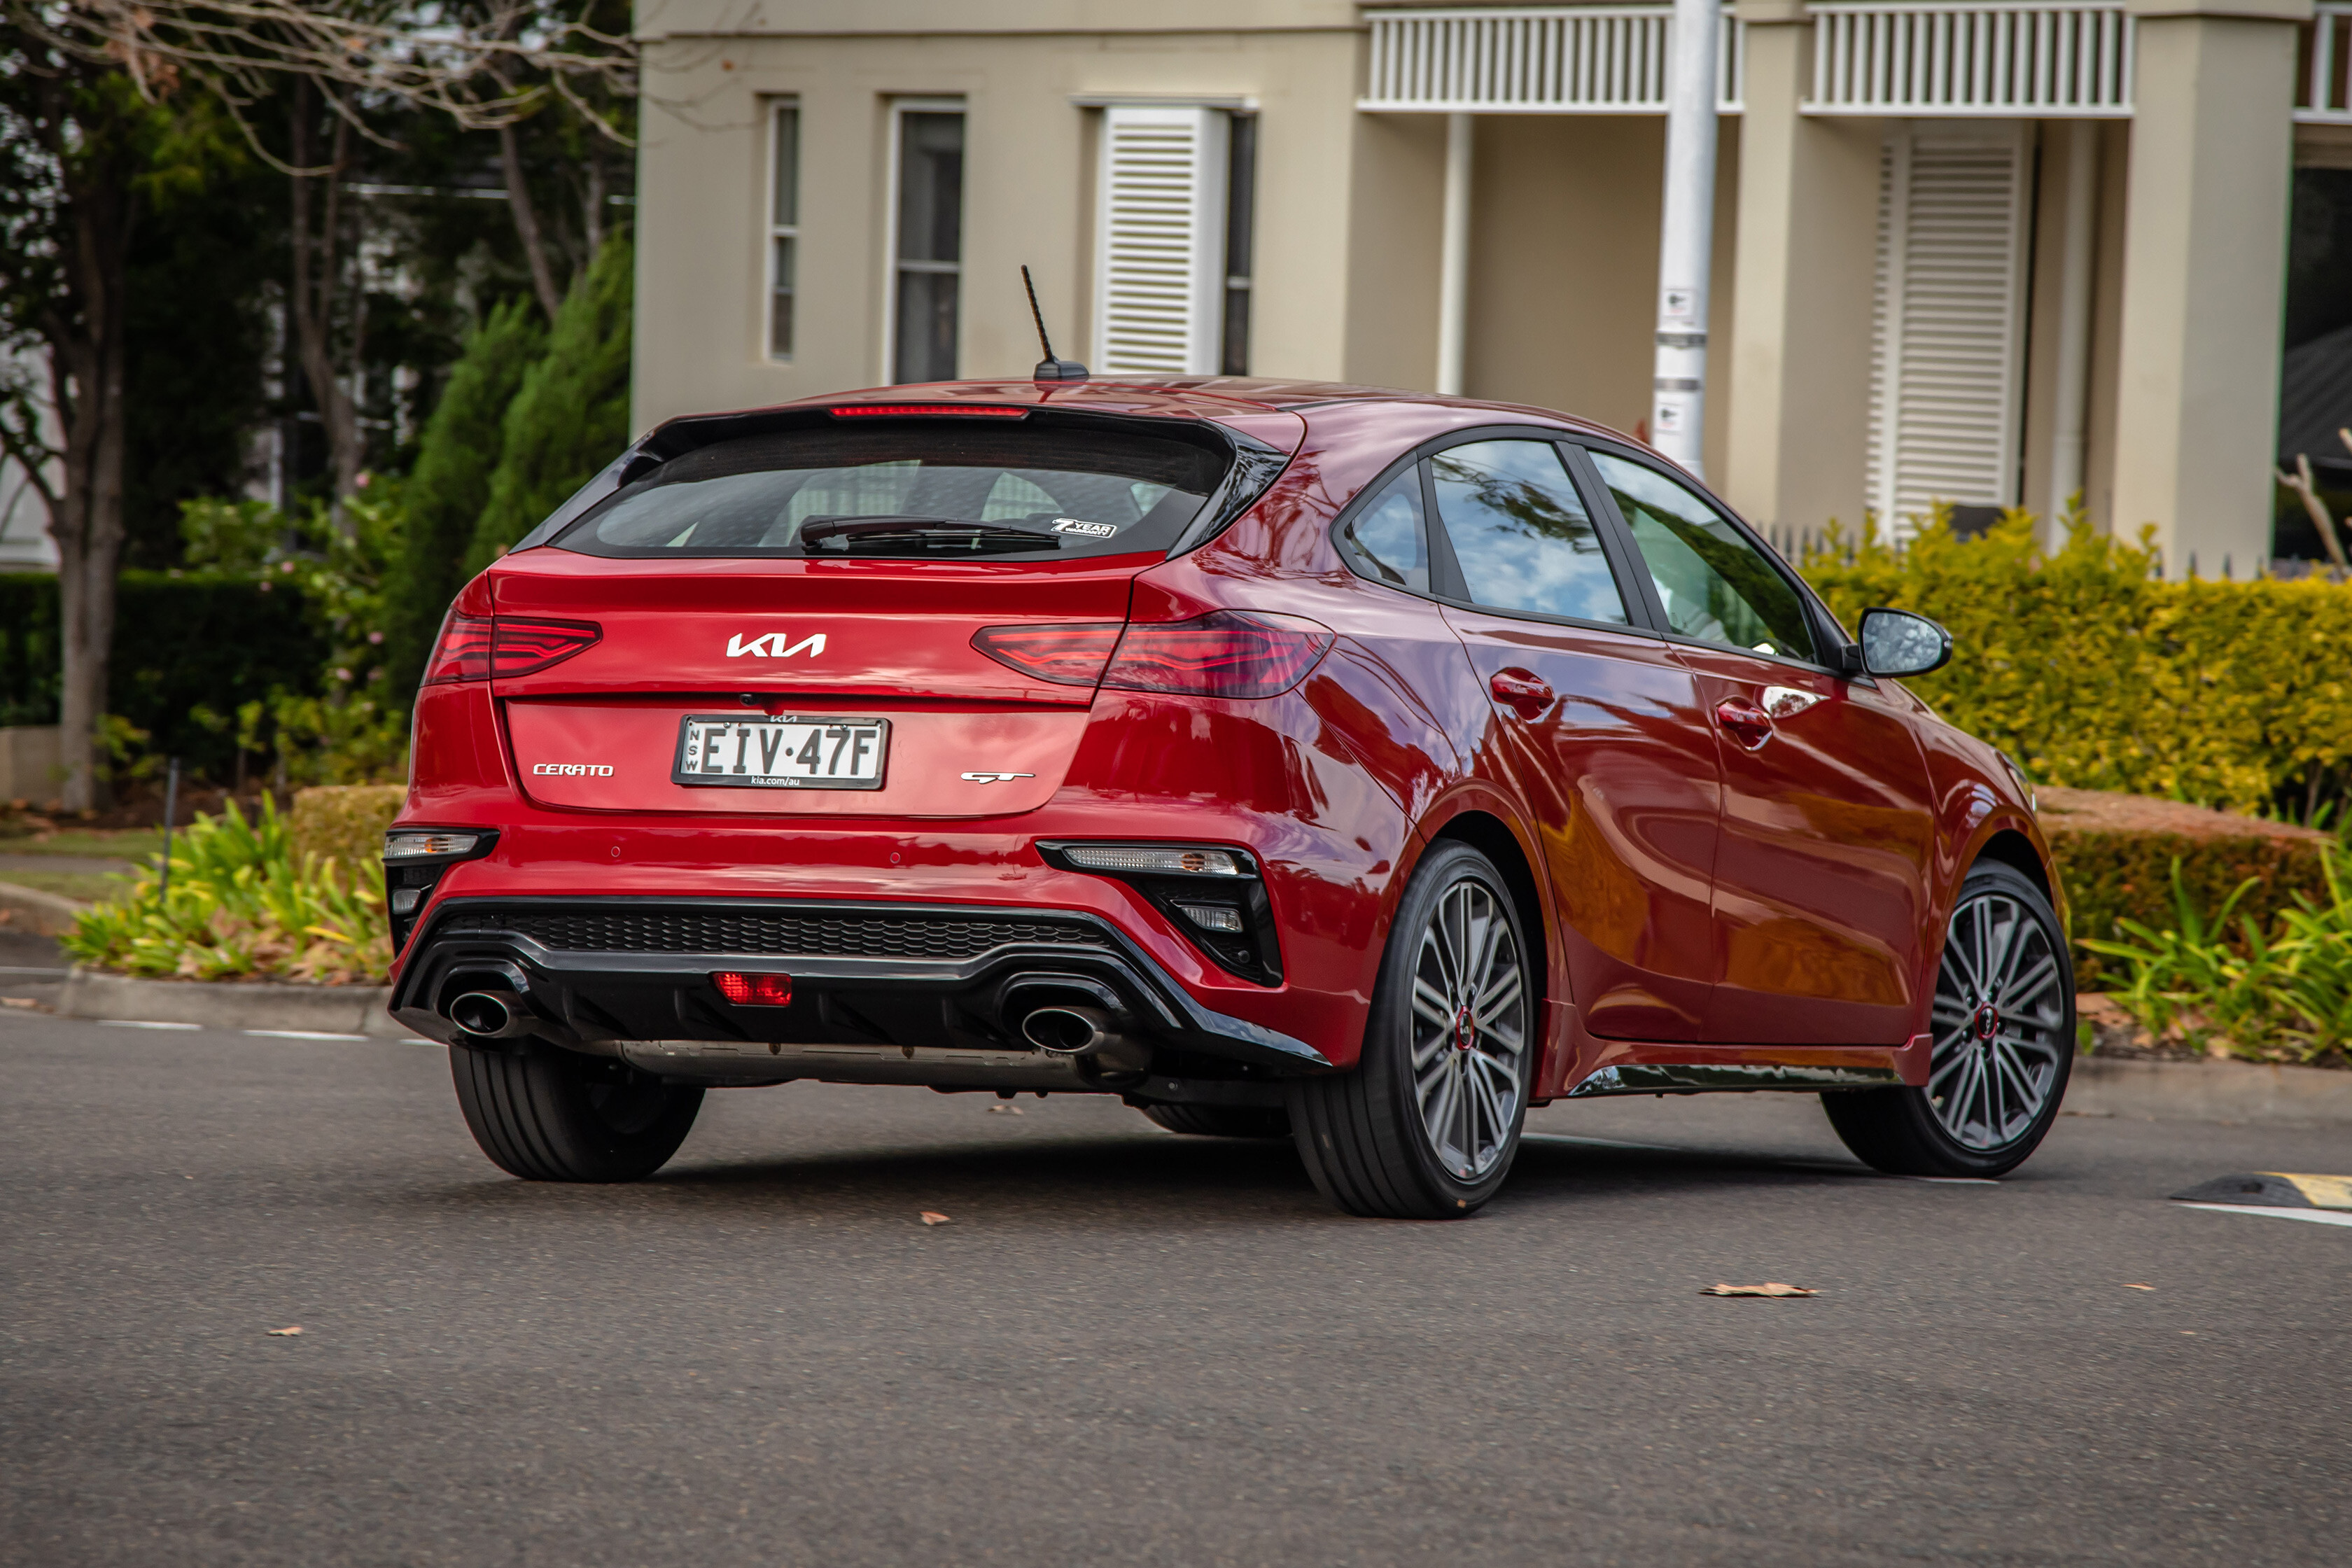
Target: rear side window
{"type": "Point", "coordinates": [1387, 541]}
{"type": "Point", "coordinates": [1523, 539]}
{"type": "Point", "coordinates": [940, 487]}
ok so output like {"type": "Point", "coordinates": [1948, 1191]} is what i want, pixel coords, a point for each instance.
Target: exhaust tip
{"type": "Point", "coordinates": [480, 1013]}
{"type": "Point", "coordinates": [1066, 1031]}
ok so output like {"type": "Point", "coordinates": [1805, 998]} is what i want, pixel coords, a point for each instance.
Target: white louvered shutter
{"type": "Point", "coordinates": [1159, 256]}
{"type": "Point", "coordinates": [1947, 330]}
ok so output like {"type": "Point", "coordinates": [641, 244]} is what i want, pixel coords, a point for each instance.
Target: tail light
{"type": "Point", "coordinates": [754, 990]}
{"type": "Point", "coordinates": [1065, 656]}
{"type": "Point", "coordinates": [476, 647]}
{"type": "Point", "coordinates": [1226, 653]}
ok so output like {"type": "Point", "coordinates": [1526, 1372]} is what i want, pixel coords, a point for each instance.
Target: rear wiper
{"type": "Point", "coordinates": [925, 533]}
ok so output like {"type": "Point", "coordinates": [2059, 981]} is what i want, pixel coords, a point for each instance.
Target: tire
{"type": "Point", "coordinates": [552, 1115]}
{"type": "Point", "coordinates": [2001, 1054]}
{"type": "Point", "coordinates": [1364, 1135]}
{"type": "Point", "coordinates": [1222, 1121]}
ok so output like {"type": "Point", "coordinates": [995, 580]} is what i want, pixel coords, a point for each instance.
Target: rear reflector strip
{"type": "Point", "coordinates": [754, 990]}
{"type": "Point", "coordinates": [949, 410]}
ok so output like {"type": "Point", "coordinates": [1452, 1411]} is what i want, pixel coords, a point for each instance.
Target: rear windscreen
{"type": "Point", "coordinates": [930, 487]}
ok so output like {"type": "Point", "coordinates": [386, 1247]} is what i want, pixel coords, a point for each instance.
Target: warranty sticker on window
{"type": "Point", "coordinates": [1079, 525]}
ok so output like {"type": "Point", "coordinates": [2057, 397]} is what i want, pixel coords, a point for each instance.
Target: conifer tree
{"type": "Point", "coordinates": [449, 489]}
{"type": "Point", "coordinates": [571, 415]}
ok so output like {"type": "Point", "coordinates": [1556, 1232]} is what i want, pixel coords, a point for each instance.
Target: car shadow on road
{"type": "Point", "coordinates": [1083, 1179]}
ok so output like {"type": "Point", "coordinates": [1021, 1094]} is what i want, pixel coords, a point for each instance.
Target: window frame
{"type": "Point", "coordinates": [899, 109]}
{"type": "Point", "coordinates": [781, 230]}
{"type": "Point", "coordinates": [1447, 585]}
{"type": "Point", "coordinates": [1827, 633]}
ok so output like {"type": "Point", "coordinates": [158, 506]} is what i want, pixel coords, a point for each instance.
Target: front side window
{"type": "Point", "coordinates": [929, 489]}
{"type": "Point", "coordinates": [1521, 536]}
{"type": "Point", "coordinates": [783, 228]}
{"type": "Point", "coordinates": [1716, 586]}
{"type": "Point", "coordinates": [927, 267]}
{"type": "Point", "coordinates": [1387, 541]}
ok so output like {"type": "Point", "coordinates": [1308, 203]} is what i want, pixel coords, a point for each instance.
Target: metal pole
{"type": "Point", "coordinates": [1453, 258]}
{"type": "Point", "coordinates": [171, 809]}
{"type": "Point", "coordinates": [1686, 236]}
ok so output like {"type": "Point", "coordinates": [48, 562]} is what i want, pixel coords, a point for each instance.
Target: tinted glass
{"type": "Point", "coordinates": [1522, 538]}
{"type": "Point", "coordinates": [1715, 585]}
{"type": "Point", "coordinates": [1387, 541]}
{"type": "Point", "coordinates": [1074, 492]}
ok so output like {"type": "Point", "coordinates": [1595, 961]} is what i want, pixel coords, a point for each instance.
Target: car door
{"type": "Point", "coordinates": [1821, 895]}
{"type": "Point", "coordinates": [1596, 727]}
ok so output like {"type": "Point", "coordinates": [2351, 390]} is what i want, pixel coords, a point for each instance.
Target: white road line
{"type": "Point", "coordinates": [1956, 1181]}
{"type": "Point", "coordinates": [1597, 1142]}
{"type": "Point", "coordinates": [2317, 1216]}
{"type": "Point", "coordinates": [143, 1024]}
{"type": "Point", "coordinates": [301, 1034]}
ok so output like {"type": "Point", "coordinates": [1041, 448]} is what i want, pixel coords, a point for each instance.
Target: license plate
{"type": "Point", "coordinates": [790, 751]}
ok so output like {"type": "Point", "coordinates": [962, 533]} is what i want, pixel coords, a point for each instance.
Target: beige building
{"type": "Point", "coordinates": [1989, 252]}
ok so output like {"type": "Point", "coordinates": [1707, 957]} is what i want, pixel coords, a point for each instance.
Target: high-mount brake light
{"type": "Point", "coordinates": [1226, 653]}
{"type": "Point", "coordinates": [950, 410]}
{"type": "Point", "coordinates": [1066, 655]}
{"type": "Point", "coordinates": [476, 647]}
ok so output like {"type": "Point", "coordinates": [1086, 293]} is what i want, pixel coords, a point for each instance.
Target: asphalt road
{"type": "Point", "coordinates": [1127, 1347]}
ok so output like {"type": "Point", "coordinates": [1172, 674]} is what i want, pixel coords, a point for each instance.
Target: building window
{"type": "Point", "coordinates": [1241, 201]}
{"type": "Point", "coordinates": [927, 242]}
{"type": "Point", "coordinates": [783, 228]}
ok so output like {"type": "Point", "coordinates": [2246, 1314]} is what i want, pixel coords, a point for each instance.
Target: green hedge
{"type": "Point", "coordinates": [187, 651]}
{"type": "Point", "coordinates": [2094, 672]}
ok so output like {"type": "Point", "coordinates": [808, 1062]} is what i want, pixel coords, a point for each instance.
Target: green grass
{"type": "Point", "coordinates": [122, 843]}
{"type": "Point", "coordinates": [87, 885]}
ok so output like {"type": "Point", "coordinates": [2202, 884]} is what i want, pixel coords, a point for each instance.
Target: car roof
{"type": "Point", "coordinates": [1199, 398]}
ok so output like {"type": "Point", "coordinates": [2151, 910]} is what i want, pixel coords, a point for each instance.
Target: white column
{"type": "Point", "coordinates": [2069, 396]}
{"type": "Point", "coordinates": [1686, 236]}
{"type": "Point", "coordinates": [1454, 264]}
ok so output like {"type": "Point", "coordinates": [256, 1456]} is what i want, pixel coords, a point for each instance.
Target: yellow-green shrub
{"type": "Point", "coordinates": [345, 823]}
{"type": "Point", "coordinates": [2094, 672]}
{"type": "Point", "coordinates": [241, 905]}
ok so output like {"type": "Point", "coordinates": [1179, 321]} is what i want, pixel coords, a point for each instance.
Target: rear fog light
{"type": "Point", "coordinates": [754, 990]}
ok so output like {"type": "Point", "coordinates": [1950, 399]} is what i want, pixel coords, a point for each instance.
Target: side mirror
{"type": "Point", "coordinates": [1898, 643]}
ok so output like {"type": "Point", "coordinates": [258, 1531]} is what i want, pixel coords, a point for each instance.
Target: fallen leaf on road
{"type": "Point", "coordinates": [932, 1218]}
{"type": "Point", "coordinates": [18, 1002]}
{"type": "Point", "coordinates": [1773, 1289]}
{"type": "Point", "coordinates": [284, 1333]}
{"type": "Point", "coordinates": [2130, 1285]}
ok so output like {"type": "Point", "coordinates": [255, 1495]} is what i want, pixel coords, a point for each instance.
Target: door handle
{"type": "Point", "coordinates": [1521, 690]}
{"type": "Point", "coordinates": [1745, 722]}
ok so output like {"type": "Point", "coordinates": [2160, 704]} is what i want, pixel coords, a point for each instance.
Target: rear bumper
{"type": "Point", "coordinates": [919, 976]}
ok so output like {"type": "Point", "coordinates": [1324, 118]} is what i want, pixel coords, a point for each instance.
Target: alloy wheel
{"type": "Point", "coordinates": [1999, 1023]}
{"type": "Point", "coordinates": [1469, 1030]}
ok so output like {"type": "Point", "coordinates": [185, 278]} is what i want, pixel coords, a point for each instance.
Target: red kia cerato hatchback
{"type": "Point", "coordinates": [1287, 760]}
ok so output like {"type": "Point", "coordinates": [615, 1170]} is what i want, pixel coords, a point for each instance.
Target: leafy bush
{"type": "Point", "coordinates": [241, 905]}
{"type": "Point", "coordinates": [345, 824]}
{"type": "Point", "coordinates": [2280, 993]}
{"type": "Point", "coordinates": [571, 415]}
{"type": "Point", "coordinates": [2094, 672]}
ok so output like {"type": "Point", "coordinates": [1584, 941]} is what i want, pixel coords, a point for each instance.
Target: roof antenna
{"type": "Point", "coordinates": [1049, 369]}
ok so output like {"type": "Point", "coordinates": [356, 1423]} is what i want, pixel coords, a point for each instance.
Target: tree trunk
{"type": "Point", "coordinates": [318, 275]}
{"type": "Point", "coordinates": [526, 222]}
{"type": "Point", "coordinates": [86, 377]}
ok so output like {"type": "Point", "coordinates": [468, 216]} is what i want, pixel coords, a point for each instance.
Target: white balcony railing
{"type": "Point", "coordinates": [1579, 59]}
{"type": "Point", "coordinates": [2324, 84]}
{"type": "Point", "coordinates": [2036, 58]}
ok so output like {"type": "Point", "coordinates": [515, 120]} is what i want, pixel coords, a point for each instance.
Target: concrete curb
{"type": "Point", "coordinates": [230, 1004]}
{"type": "Point", "coordinates": [43, 914]}
{"type": "Point", "coordinates": [2208, 1092]}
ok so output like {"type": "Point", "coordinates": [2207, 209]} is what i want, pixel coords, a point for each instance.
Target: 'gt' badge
{"type": "Point", "coordinates": [995, 778]}
{"type": "Point", "coordinates": [771, 645]}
